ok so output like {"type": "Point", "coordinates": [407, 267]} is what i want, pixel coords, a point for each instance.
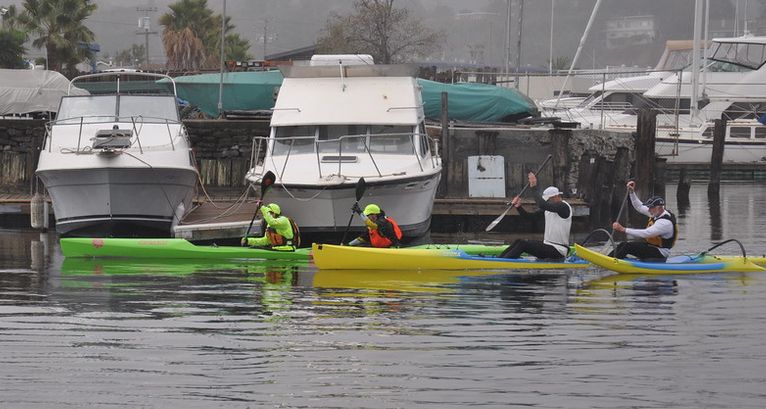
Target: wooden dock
{"type": "Point", "coordinates": [225, 217]}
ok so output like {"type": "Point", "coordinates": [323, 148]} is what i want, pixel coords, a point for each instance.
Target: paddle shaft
{"type": "Point", "coordinates": [360, 188]}
{"type": "Point", "coordinates": [266, 182]}
{"type": "Point", "coordinates": [524, 189]}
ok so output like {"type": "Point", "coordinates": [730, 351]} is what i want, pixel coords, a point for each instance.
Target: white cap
{"type": "Point", "coordinates": [550, 191]}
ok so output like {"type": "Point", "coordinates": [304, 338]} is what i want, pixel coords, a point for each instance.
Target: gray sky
{"type": "Point", "coordinates": [289, 24]}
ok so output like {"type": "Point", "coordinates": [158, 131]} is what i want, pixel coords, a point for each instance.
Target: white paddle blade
{"type": "Point", "coordinates": [497, 221]}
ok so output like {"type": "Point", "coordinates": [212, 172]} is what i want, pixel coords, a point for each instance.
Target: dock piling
{"type": "Point", "coordinates": [716, 158]}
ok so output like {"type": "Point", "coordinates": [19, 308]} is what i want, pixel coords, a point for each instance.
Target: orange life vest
{"type": "Point", "coordinates": [277, 239]}
{"type": "Point", "coordinates": [378, 240]}
{"type": "Point", "coordinates": [659, 241]}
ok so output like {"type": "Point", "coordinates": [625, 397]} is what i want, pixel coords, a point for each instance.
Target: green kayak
{"type": "Point", "coordinates": [183, 249]}
{"type": "Point", "coordinates": [169, 249]}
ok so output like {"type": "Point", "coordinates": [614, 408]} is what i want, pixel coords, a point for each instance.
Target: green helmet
{"type": "Point", "coordinates": [274, 208]}
{"type": "Point", "coordinates": [371, 209]}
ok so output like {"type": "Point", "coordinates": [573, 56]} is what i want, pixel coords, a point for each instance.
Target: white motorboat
{"type": "Point", "coordinates": [117, 164]}
{"type": "Point", "coordinates": [334, 123]}
{"type": "Point", "coordinates": [614, 103]}
{"type": "Point", "coordinates": [733, 87]}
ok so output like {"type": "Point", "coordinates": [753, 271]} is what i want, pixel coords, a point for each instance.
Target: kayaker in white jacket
{"type": "Point", "coordinates": [660, 233]}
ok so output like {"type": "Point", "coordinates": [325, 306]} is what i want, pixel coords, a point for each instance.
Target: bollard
{"type": "Point", "coordinates": [36, 209]}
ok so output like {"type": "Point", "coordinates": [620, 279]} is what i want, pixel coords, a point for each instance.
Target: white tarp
{"type": "Point", "coordinates": [25, 91]}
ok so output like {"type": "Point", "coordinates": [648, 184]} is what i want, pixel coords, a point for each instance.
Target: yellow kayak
{"type": "Point", "coordinates": [331, 257]}
{"type": "Point", "coordinates": [674, 265]}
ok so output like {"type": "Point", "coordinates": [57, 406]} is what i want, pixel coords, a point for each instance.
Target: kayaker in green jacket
{"type": "Point", "coordinates": [280, 231]}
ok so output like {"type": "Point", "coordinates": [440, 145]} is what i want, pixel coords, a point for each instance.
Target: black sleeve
{"type": "Point", "coordinates": [559, 208]}
{"type": "Point", "coordinates": [537, 214]}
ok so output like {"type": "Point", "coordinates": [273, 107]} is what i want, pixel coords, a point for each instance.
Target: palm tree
{"type": "Point", "coordinates": [58, 26]}
{"type": "Point", "coordinates": [187, 26]}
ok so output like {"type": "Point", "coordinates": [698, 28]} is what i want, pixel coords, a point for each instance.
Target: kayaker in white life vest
{"type": "Point", "coordinates": [558, 222]}
{"type": "Point", "coordinates": [659, 235]}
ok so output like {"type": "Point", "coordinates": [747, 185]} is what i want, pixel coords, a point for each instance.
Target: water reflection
{"type": "Point", "coordinates": [128, 333]}
{"type": "Point", "coordinates": [716, 222]}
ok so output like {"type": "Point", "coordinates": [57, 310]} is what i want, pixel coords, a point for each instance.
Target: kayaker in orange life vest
{"type": "Point", "coordinates": [382, 231]}
{"type": "Point", "coordinates": [659, 235]}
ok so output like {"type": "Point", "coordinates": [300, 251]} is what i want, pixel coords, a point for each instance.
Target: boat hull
{"type": "Point", "coordinates": [123, 202]}
{"type": "Point", "coordinates": [168, 249]}
{"type": "Point", "coordinates": [694, 265]}
{"type": "Point", "coordinates": [700, 150]}
{"type": "Point", "coordinates": [330, 257]}
{"type": "Point", "coordinates": [326, 209]}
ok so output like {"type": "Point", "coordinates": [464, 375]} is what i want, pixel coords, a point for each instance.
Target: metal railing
{"type": "Point", "coordinates": [140, 120]}
{"type": "Point", "coordinates": [333, 156]}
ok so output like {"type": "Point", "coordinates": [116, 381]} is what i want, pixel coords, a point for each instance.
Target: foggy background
{"type": "Point", "coordinates": [474, 32]}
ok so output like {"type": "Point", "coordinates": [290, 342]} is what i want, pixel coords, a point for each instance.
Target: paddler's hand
{"type": "Point", "coordinates": [243, 242]}
{"type": "Point", "coordinates": [618, 227]}
{"type": "Point", "coordinates": [516, 202]}
{"type": "Point", "coordinates": [532, 179]}
{"type": "Point", "coordinates": [631, 185]}
{"type": "Point", "coordinates": [356, 209]}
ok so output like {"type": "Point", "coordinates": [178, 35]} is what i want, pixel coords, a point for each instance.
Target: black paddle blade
{"type": "Point", "coordinates": [360, 188]}
{"type": "Point", "coordinates": [268, 180]}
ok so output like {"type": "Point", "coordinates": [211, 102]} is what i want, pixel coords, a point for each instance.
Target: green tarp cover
{"type": "Point", "coordinates": [241, 90]}
{"type": "Point", "coordinates": [475, 102]}
{"type": "Point", "coordinates": [257, 90]}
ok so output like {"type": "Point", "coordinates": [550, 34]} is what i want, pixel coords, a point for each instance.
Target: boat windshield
{"type": "Point", "coordinates": [737, 57]}
{"type": "Point", "coordinates": [108, 108]}
{"type": "Point", "coordinates": [344, 139]}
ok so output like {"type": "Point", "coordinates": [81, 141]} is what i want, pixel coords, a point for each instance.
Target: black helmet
{"type": "Point", "coordinates": [654, 201]}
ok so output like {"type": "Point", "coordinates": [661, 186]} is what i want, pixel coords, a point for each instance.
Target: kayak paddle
{"type": "Point", "coordinates": [499, 218]}
{"type": "Point", "coordinates": [360, 188]}
{"type": "Point", "coordinates": [619, 214]}
{"type": "Point", "coordinates": [266, 182]}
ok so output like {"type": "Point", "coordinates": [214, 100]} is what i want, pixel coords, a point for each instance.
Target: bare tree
{"type": "Point", "coordinates": [376, 27]}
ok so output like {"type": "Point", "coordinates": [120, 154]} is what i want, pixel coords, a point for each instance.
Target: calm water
{"type": "Point", "coordinates": [104, 335]}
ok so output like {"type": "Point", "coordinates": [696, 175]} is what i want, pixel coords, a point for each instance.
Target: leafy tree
{"type": "Point", "coordinates": [135, 55]}
{"type": "Point", "coordinates": [237, 48]}
{"type": "Point", "coordinates": [11, 19]}
{"type": "Point", "coordinates": [192, 36]}
{"type": "Point", "coordinates": [58, 26]}
{"type": "Point", "coordinates": [12, 49]}
{"type": "Point", "coordinates": [376, 27]}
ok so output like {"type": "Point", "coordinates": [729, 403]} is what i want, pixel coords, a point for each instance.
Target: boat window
{"type": "Point", "coordinates": [589, 99]}
{"type": "Point", "coordinates": [394, 139]}
{"type": "Point", "coordinates": [342, 138]}
{"type": "Point", "coordinates": [744, 110]}
{"type": "Point", "coordinates": [330, 132]}
{"type": "Point", "coordinates": [91, 107]}
{"type": "Point", "coordinates": [156, 108]}
{"type": "Point", "coordinates": [750, 56]}
{"type": "Point", "coordinates": [741, 132]}
{"type": "Point", "coordinates": [760, 132]}
{"type": "Point", "coordinates": [618, 101]}
{"type": "Point", "coordinates": [708, 132]}
{"type": "Point", "coordinates": [293, 139]}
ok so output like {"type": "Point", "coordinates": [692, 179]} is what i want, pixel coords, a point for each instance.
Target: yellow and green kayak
{"type": "Point", "coordinates": [183, 249]}
{"type": "Point", "coordinates": [692, 264]}
{"type": "Point", "coordinates": [331, 257]}
{"type": "Point", "coordinates": [169, 249]}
